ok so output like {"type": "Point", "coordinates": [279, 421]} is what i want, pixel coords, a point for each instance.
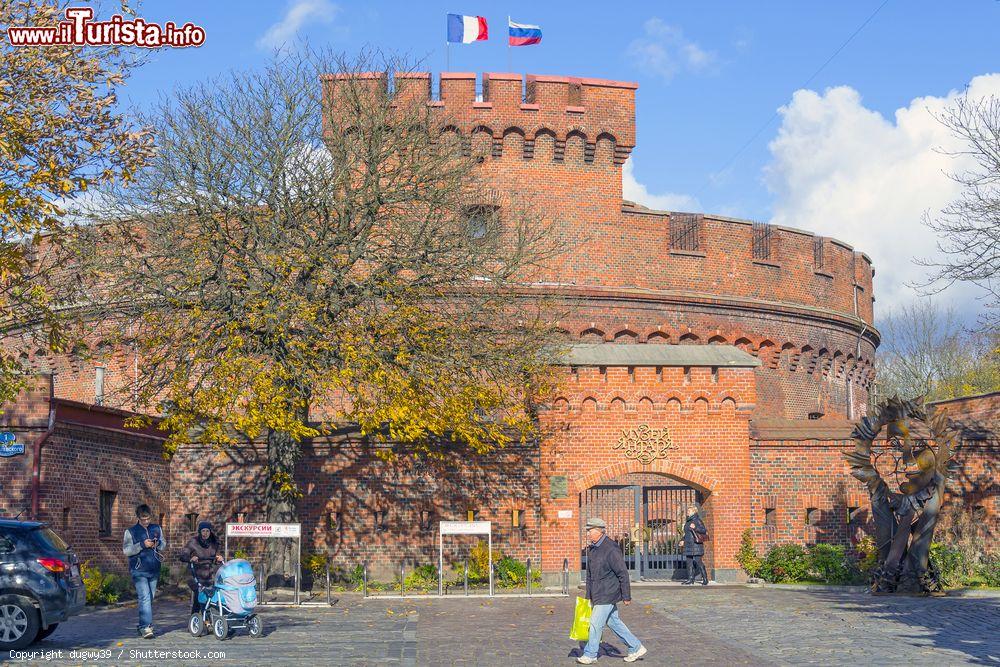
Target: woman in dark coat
{"type": "Point", "coordinates": [203, 551]}
{"type": "Point", "coordinates": [693, 551]}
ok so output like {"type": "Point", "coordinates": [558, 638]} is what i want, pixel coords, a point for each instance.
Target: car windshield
{"type": "Point", "coordinates": [48, 538]}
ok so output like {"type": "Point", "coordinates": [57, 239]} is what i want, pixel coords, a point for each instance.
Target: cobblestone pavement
{"type": "Point", "coordinates": [700, 626]}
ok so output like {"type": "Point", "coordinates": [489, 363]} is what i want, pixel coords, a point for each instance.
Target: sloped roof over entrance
{"type": "Point", "coordinates": [610, 354]}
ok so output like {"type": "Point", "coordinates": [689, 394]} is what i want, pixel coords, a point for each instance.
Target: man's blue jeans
{"type": "Point", "coordinates": [145, 591]}
{"type": "Point", "coordinates": [607, 614]}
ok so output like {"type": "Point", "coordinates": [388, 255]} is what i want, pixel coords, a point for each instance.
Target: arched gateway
{"type": "Point", "coordinates": [639, 432]}
{"type": "Point", "coordinates": [645, 514]}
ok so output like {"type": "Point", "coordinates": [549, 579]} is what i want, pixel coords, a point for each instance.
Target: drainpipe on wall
{"type": "Point", "coordinates": [36, 466]}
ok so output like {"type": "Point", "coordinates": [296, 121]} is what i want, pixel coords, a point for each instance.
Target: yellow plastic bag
{"type": "Point", "coordinates": [581, 620]}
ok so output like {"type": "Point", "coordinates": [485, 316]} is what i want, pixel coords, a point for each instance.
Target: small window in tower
{"type": "Point", "coordinates": [333, 521]}
{"type": "Point", "coordinates": [106, 508]}
{"type": "Point", "coordinates": [99, 385]}
{"type": "Point", "coordinates": [65, 518]}
{"type": "Point", "coordinates": [812, 516]}
{"type": "Point", "coordinates": [481, 221]}
{"type": "Point", "coordinates": [818, 253]}
{"type": "Point", "coordinates": [853, 515]}
{"type": "Point", "coordinates": [815, 415]}
{"type": "Point", "coordinates": [471, 514]}
{"type": "Point", "coordinates": [381, 521]}
{"type": "Point", "coordinates": [685, 231]}
{"type": "Point", "coordinates": [426, 520]}
{"type": "Point", "coordinates": [770, 517]}
{"type": "Point", "coordinates": [761, 241]}
{"type": "Point", "coordinates": [517, 519]}
{"type": "Point", "coordinates": [192, 521]}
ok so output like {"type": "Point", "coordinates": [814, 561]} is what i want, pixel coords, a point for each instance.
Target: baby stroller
{"type": "Point", "coordinates": [228, 604]}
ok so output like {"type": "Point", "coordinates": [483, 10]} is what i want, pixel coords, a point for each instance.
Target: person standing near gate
{"type": "Point", "coordinates": [143, 543]}
{"type": "Point", "coordinates": [695, 535]}
{"type": "Point", "coordinates": [607, 585]}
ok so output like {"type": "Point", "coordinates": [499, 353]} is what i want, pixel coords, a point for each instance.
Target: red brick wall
{"type": "Point", "coordinates": [707, 418]}
{"type": "Point", "coordinates": [794, 476]}
{"type": "Point", "coordinates": [78, 461]}
{"type": "Point", "coordinates": [346, 476]}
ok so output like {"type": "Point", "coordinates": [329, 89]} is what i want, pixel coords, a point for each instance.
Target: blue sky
{"type": "Point", "coordinates": [710, 75]}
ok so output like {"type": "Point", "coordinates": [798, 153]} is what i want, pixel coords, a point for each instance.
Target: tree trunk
{"type": "Point", "coordinates": [283, 452]}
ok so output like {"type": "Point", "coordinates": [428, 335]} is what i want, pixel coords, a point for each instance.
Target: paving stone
{"type": "Point", "coordinates": [713, 626]}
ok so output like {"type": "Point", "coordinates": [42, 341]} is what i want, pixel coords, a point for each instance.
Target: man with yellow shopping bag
{"type": "Point", "coordinates": [607, 585]}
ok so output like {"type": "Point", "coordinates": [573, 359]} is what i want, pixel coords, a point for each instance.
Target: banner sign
{"type": "Point", "coordinates": [465, 527]}
{"type": "Point", "coordinates": [9, 445]}
{"type": "Point", "coordinates": [264, 530]}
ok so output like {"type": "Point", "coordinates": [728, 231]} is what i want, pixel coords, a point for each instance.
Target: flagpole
{"type": "Point", "coordinates": [509, 67]}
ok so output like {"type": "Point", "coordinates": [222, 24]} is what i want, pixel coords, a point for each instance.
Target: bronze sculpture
{"type": "Point", "coordinates": [904, 518]}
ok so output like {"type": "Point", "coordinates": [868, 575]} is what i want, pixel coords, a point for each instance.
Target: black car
{"type": "Point", "coordinates": [40, 583]}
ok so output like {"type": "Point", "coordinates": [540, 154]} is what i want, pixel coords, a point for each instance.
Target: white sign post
{"type": "Point", "coordinates": [268, 530]}
{"type": "Point", "coordinates": [463, 528]}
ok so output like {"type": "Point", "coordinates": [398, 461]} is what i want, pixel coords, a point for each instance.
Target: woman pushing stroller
{"type": "Point", "coordinates": [202, 552]}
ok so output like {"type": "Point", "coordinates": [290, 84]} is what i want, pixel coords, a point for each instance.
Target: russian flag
{"type": "Point", "coordinates": [522, 34]}
{"type": "Point", "coordinates": [466, 29]}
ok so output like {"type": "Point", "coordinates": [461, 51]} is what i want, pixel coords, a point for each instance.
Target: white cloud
{"type": "Point", "coordinates": [316, 11]}
{"type": "Point", "coordinates": [842, 170]}
{"type": "Point", "coordinates": [664, 50]}
{"type": "Point", "coordinates": [635, 191]}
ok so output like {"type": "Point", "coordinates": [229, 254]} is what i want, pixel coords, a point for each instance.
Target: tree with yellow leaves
{"type": "Point", "coordinates": [296, 263]}
{"type": "Point", "coordinates": [60, 134]}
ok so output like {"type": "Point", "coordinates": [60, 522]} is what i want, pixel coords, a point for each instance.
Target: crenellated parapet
{"type": "Point", "coordinates": [531, 116]}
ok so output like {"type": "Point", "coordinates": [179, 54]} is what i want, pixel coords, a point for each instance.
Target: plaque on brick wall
{"type": "Point", "coordinates": [558, 488]}
{"type": "Point", "coordinates": [645, 444]}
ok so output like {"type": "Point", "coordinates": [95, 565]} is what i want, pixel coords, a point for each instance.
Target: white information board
{"type": "Point", "coordinates": [466, 527]}
{"type": "Point", "coordinates": [463, 528]}
{"type": "Point", "coordinates": [264, 529]}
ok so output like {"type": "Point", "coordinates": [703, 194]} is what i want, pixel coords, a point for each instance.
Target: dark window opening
{"type": "Point", "coordinates": [853, 514]}
{"type": "Point", "coordinates": [65, 518]}
{"type": "Point", "coordinates": [192, 521]}
{"type": "Point", "coordinates": [812, 516]}
{"type": "Point", "coordinates": [106, 507]}
{"type": "Point", "coordinates": [770, 517]}
{"type": "Point", "coordinates": [426, 520]}
{"type": "Point", "coordinates": [761, 240]}
{"type": "Point", "coordinates": [818, 252]}
{"type": "Point", "coordinates": [815, 415]}
{"type": "Point", "coordinates": [480, 221]}
{"type": "Point", "coordinates": [685, 231]}
{"type": "Point", "coordinates": [381, 521]}
{"type": "Point", "coordinates": [333, 521]}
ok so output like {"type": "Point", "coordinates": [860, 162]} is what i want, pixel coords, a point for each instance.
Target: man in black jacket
{"type": "Point", "coordinates": [607, 585]}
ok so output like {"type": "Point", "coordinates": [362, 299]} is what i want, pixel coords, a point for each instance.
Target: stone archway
{"type": "Point", "coordinates": [644, 512]}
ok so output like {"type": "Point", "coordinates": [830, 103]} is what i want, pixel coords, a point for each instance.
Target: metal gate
{"type": "Point", "coordinates": [644, 521]}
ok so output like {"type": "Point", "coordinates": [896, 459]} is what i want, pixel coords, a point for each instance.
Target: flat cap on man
{"type": "Point", "coordinates": [594, 522]}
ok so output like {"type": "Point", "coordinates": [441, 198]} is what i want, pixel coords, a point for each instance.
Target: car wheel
{"type": "Point", "coordinates": [254, 626]}
{"type": "Point", "coordinates": [18, 622]}
{"type": "Point", "coordinates": [42, 634]}
{"type": "Point", "coordinates": [220, 628]}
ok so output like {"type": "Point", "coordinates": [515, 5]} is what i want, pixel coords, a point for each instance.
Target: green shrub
{"type": "Point", "coordinates": [102, 587]}
{"type": "Point", "coordinates": [241, 553]}
{"type": "Point", "coordinates": [512, 572]}
{"type": "Point", "coordinates": [950, 564]}
{"type": "Point", "coordinates": [785, 563]}
{"type": "Point", "coordinates": [747, 556]}
{"type": "Point", "coordinates": [423, 577]}
{"type": "Point", "coordinates": [315, 564]}
{"type": "Point", "coordinates": [831, 564]}
{"type": "Point", "coordinates": [990, 569]}
{"type": "Point", "coordinates": [479, 560]}
{"type": "Point", "coordinates": [869, 555]}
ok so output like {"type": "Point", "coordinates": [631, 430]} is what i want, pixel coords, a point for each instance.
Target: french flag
{"type": "Point", "coordinates": [466, 29]}
{"type": "Point", "coordinates": [522, 34]}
